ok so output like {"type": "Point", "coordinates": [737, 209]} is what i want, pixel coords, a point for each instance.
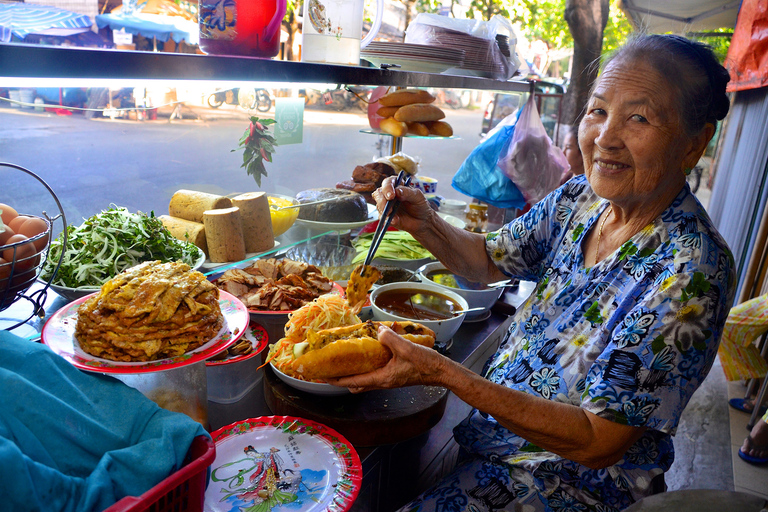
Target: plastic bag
{"type": "Point", "coordinates": [480, 177]}
{"type": "Point", "coordinates": [489, 46]}
{"type": "Point", "coordinates": [532, 161]}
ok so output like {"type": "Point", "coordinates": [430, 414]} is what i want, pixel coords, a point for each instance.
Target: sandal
{"type": "Point", "coordinates": [745, 405]}
{"type": "Point", "coordinates": [752, 459]}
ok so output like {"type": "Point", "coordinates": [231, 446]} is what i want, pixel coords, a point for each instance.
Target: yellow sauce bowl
{"type": "Point", "coordinates": [282, 220]}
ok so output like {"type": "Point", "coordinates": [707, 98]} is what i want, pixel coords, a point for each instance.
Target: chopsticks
{"type": "Point", "coordinates": [386, 218]}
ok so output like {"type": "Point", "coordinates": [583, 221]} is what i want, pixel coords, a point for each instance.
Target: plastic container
{"type": "Point", "coordinates": [15, 97]}
{"type": "Point", "coordinates": [182, 491]}
{"type": "Point", "coordinates": [182, 389]}
{"type": "Point", "coordinates": [228, 383]}
{"type": "Point", "coordinates": [477, 218]}
{"type": "Point", "coordinates": [250, 28]}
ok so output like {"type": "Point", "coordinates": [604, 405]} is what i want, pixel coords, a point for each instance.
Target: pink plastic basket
{"type": "Point", "coordinates": [184, 490]}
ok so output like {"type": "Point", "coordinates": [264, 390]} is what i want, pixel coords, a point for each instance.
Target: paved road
{"type": "Point", "coordinates": [92, 163]}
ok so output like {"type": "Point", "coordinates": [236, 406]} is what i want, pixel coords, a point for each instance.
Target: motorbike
{"type": "Point", "coordinates": [340, 98]}
{"type": "Point", "coordinates": [247, 98]}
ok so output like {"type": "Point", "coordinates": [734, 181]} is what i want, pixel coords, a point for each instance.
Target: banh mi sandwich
{"type": "Point", "coordinates": [353, 349]}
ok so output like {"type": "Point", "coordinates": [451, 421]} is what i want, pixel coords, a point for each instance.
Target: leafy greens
{"type": "Point", "coordinates": [108, 243]}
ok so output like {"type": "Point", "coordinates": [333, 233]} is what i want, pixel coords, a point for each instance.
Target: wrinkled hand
{"type": "Point", "coordinates": [411, 364]}
{"type": "Point", "coordinates": [414, 210]}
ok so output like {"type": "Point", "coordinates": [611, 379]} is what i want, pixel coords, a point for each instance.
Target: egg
{"type": "Point", "coordinates": [33, 227]}
{"type": "Point", "coordinates": [16, 222]}
{"type": "Point", "coordinates": [5, 235]}
{"type": "Point", "coordinates": [8, 213]}
{"type": "Point", "coordinates": [24, 253]}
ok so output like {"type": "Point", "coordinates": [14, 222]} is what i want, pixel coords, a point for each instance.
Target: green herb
{"type": "Point", "coordinates": [396, 245]}
{"type": "Point", "coordinates": [259, 146]}
{"type": "Point", "coordinates": [108, 243]}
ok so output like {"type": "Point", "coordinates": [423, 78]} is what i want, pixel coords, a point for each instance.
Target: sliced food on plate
{"type": "Point", "coordinates": [275, 285]}
{"type": "Point", "coordinates": [151, 311]}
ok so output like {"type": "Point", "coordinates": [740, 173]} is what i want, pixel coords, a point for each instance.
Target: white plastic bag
{"type": "Point", "coordinates": [532, 161]}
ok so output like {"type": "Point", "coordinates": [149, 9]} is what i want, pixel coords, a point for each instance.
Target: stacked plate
{"type": "Point", "coordinates": [482, 57]}
{"type": "Point", "coordinates": [413, 57]}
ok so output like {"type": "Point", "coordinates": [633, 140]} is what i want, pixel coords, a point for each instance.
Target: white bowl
{"type": "Point", "coordinates": [484, 298]}
{"type": "Point", "coordinates": [407, 264]}
{"type": "Point", "coordinates": [315, 388]}
{"type": "Point", "coordinates": [444, 329]}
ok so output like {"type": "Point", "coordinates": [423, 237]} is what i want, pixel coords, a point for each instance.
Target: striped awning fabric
{"type": "Point", "coordinates": [21, 19]}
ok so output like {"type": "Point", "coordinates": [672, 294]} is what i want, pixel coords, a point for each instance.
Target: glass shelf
{"type": "Point", "coordinates": [371, 131]}
{"type": "Point", "coordinates": [34, 61]}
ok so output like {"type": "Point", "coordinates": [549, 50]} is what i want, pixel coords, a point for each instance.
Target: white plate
{"type": "Point", "coordinates": [406, 64]}
{"type": "Point", "coordinates": [315, 388]}
{"type": "Point", "coordinates": [300, 465]}
{"type": "Point", "coordinates": [209, 265]}
{"type": "Point", "coordinates": [373, 216]}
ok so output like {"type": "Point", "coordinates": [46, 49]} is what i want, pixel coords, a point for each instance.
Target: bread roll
{"type": "Point", "coordinates": [418, 129]}
{"type": "Point", "coordinates": [405, 97]}
{"type": "Point", "coordinates": [190, 204]}
{"type": "Point", "coordinates": [419, 113]}
{"type": "Point", "coordinates": [256, 221]}
{"type": "Point", "coordinates": [440, 128]}
{"type": "Point", "coordinates": [224, 235]}
{"type": "Point", "coordinates": [387, 111]}
{"type": "Point", "coordinates": [186, 230]}
{"type": "Point", "coordinates": [393, 127]}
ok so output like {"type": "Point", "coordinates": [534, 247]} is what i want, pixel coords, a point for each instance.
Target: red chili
{"type": "Point", "coordinates": [259, 125]}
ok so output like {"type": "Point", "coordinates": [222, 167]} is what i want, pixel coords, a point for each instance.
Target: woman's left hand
{"type": "Point", "coordinates": [411, 364]}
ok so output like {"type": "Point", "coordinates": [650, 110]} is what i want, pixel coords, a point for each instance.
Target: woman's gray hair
{"type": "Point", "coordinates": [691, 68]}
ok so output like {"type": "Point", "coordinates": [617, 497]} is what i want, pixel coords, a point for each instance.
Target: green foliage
{"type": "Point", "coordinates": [719, 44]}
{"type": "Point", "coordinates": [486, 9]}
{"type": "Point", "coordinates": [258, 146]}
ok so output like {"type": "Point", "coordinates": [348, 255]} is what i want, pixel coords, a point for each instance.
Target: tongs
{"type": "Point", "coordinates": [386, 217]}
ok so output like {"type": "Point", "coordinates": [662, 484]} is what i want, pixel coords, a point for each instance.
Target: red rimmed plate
{"type": "Point", "coordinates": [281, 460]}
{"type": "Point", "coordinates": [59, 334]}
{"type": "Point", "coordinates": [257, 335]}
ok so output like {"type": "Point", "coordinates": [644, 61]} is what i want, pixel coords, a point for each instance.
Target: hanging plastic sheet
{"type": "Point", "coordinates": [747, 60]}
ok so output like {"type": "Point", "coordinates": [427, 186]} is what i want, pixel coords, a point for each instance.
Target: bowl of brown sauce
{"type": "Point", "coordinates": [426, 303]}
{"type": "Point", "coordinates": [477, 295]}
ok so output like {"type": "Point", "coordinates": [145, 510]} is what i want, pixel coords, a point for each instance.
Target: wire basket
{"type": "Point", "coordinates": [23, 260]}
{"type": "Point", "coordinates": [183, 491]}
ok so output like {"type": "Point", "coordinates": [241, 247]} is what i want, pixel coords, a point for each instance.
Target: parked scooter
{"type": "Point", "coordinates": [247, 98]}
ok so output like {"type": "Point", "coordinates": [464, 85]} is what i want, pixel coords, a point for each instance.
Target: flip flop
{"type": "Point", "coordinates": [745, 405]}
{"type": "Point", "coordinates": [752, 459]}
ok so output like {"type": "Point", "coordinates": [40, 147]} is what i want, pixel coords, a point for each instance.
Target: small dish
{"type": "Point", "coordinates": [314, 388]}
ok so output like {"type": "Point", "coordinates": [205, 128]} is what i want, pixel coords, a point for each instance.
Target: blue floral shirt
{"type": "Point", "coordinates": [629, 339]}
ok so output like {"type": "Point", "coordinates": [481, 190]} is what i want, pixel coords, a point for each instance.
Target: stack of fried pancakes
{"type": "Point", "coordinates": [151, 311]}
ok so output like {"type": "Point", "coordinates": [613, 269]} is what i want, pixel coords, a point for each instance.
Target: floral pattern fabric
{"type": "Point", "coordinates": [629, 339]}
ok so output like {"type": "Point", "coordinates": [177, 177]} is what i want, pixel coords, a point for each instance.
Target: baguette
{"type": "Point", "coordinates": [419, 113]}
{"type": "Point", "coordinates": [393, 127]}
{"type": "Point", "coordinates": [387, 111]}
{"type": "Point", "coordinates": [418, 129]}
{"type": "Point", "coordinates": [405, 97]}
{"type": "Point", "coordinates": [353, 349]}
{"type": "Point", "coordinates": [440, 128]}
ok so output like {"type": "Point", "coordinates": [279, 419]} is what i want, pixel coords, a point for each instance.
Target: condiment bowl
{"type": "Point", "coordinates": [282, 220]}
{"type": "Point", "coordinates": [481, 297]}
{"type": "Point", "coordinates": [444, 329]}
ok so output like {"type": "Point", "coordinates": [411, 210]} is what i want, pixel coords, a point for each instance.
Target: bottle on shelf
{"type": "Point", "coordinates": [477, 218]}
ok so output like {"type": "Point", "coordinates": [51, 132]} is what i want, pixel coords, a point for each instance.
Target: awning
{"type": "Point", "coordinates": [20, 20]}
{"type": "Point", "coordinates": [680, 16]}
{"type": "Point", "coordinates": [747, 60]}
{"type": "Point", "coordinates": [155, 26]}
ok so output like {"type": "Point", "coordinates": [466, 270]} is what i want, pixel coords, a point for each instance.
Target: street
{"type": "Point", "coordinates": [93, 163]}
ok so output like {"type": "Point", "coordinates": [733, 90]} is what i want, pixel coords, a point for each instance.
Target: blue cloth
{"type": "Point", "coordinates": [78, 441]}
{"type": "Point", "coordinates": [629, 339]}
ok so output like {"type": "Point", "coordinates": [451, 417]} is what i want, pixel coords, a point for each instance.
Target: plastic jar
{"type": "Point", "coordinates": [242, 27]}
{"type": "Point", "coordinates": [477, 218]}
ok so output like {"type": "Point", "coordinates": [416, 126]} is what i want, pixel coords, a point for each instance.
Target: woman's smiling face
{"type": "Point", "coordinates": [631, 137]}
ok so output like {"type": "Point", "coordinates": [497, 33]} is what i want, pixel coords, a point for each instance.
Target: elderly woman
{"type": "Point", "coordinates": [576, 409]}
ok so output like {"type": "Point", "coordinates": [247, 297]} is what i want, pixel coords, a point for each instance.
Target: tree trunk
{"type": "Point", "coordinates": [292, 27]}
{"type": "Point", "coordinates": [587, 20]}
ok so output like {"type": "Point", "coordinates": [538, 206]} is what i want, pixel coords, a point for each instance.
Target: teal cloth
{"type": "Point", "coordinates": [78, 441]}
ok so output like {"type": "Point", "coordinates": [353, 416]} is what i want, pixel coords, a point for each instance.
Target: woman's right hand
{"type": "Point", "coordinates": [411, 364]}
{"type": "Point", "coordinates": [414, 211]}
